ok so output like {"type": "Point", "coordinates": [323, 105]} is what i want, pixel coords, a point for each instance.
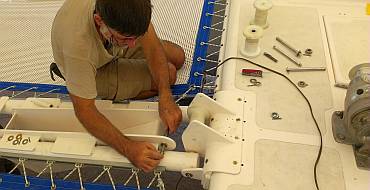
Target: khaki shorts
{"type": "Point", "coordinates": [124, 78]}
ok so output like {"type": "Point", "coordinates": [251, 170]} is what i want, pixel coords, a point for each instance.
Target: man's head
{"type": "Point", "coordinates": [124, 19]}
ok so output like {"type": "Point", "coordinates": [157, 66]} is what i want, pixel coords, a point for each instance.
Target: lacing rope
{"type": "Point", "coordinates": [15, 95]}
{"type": "Point", "coordinates": [49, 165]}
{"type": "Point", "coordinates": [48, 92]}
{"type": "Point", "coordinates": [218, 30]}
{"type": "Point", "coordinates": [78, 167]}
{"type": "Point", "coordinates": [184, 95]}
{"type": "Point", "coordinates": [21, 162]}
{"type": "Point", "coordinates": [106, 169]}
{"type": "Point", "coordinates": [213, 27]}
{"type": "Point", "coordinates": [217, 3]}
{"type": "Point", "coordinates": [135, 172]}
{"type": "Point", "coordinates": [160, 183]}
{"type": "Point", "coordinates": [7, 88]}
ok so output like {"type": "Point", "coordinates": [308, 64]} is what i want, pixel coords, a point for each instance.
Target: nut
{"type": "Point", "coordinates": [302, 84]}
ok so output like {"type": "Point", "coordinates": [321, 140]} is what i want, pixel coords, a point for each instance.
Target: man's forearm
{"type": "Point", "coordinates": [157, 60]}
{"type": "Point", "coordinates": [161, 74]}
{"type": "Point", "coordinates": [100, 127]}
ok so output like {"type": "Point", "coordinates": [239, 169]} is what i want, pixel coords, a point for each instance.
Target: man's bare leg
{"type": "Point", "coordinates": [154, 90]}
{"type": "Point", "coordinates": [174, 53]}
{"type": "Point", "coordinates": [176, 57]}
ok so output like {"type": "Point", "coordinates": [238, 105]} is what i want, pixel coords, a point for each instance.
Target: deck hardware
{"type": "Point", "coordinates": [302, 84]}
{"type": "Point", "coordinates": [272, 58]}
{"type": "Point", "coordinates": [254, 82]}
{"type": "Point", "coordinates": [308, 52]}
{"type": "Point", "coordinates": [275, 116]}
{"type": "Point", "coordinates": [341, 85]}
{"type": "Point", "coordinates": [297, 52]}
{"type": "Point", "coordinates": [305, 69]}
{"type": "Point", "coordinates": [252, 72]}
{"type": "Point", "coordinates": [287, 56]}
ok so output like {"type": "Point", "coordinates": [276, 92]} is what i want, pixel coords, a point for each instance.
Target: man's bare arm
{"type": "Point", "coordinates": [157, 60]}
{"type": "Point", "coordinates": [143, 155]}
{"type": "Point", "coordinates": [170, 113]}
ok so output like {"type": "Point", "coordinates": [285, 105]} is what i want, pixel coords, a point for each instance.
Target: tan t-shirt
{"type": "Point", "coordinates": [77, 47]}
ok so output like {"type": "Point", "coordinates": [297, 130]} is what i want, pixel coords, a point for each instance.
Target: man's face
{"type": "Point", "coordinates": [122, 40]}
{"type": "Point", "coordinates": [113, 36]}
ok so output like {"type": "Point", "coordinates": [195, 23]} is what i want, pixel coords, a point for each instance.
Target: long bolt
{"type": "Point", "coordinates": [303, 69]}
{"type": "Point", "coordinates": [297, 52]}
{"type": "Point", "coordinates": [285, 55]}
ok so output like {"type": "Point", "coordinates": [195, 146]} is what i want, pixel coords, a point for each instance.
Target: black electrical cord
{"type": "Point", "coordinates": [178, 182]}
{"type": "Point", "coordinates": [306, 99]}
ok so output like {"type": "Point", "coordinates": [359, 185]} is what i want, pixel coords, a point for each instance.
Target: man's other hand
{"type": "Point", "coordinates": [143, 155]}
{"type": "Point", "coordinates": [170, 114]}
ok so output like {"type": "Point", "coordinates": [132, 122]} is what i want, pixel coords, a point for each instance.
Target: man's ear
{"type": "Point", "coordinates": [98, 20]}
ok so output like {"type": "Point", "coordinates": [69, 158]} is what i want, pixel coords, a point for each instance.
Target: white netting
{"type": "Point", "coordinates": [25, 53]}
{"type": "Point", "coordinates": [178, 21]}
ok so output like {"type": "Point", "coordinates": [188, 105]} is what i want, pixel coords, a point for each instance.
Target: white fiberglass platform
{"type": "Point", "coordinates": [280, 154]}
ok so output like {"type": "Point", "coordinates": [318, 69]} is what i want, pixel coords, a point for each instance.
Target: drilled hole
{"type": "Point", "coordinates": [360, 91]}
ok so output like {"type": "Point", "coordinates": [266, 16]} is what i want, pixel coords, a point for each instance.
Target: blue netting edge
{"type": "Point", "coordinates": [16, 182]}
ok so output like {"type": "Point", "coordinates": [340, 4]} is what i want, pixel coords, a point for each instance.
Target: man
{"type": "Point", "coordinates": [109, 49]}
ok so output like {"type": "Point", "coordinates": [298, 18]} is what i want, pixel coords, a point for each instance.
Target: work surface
{"type": "Point", "coordinates": [280, 154]}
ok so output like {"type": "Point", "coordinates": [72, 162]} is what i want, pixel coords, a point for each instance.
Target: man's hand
{"type": "Point", "coordinates": [143, 155]}
{"type": "Point", "coordinates": [170, 113]}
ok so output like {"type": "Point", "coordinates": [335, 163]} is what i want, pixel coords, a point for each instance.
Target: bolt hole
{"type": "Point", "coordinates": [253, 30]}
{"type": "Point", "coordinates": [206, 161]}
{"type": "Point", "coordinates": [360, 91]}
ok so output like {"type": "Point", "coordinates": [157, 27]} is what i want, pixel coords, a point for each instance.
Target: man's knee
{"type": "Point", "coordinates": [180, 57]}
{"type": "Point", "coordinates": [173, 73]}
{"type": "Point", "coordinates": [175, 54]}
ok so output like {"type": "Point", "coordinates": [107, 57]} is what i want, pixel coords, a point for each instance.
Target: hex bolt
{"type": "Point", "coordinates": [287, 56]}
{"type": "Point", "coordinates": [297, 52]}
{"type": "Point", "coordinates": [305, 69]}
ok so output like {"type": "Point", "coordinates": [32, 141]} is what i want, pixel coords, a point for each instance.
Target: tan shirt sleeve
{"type": "Point", "coordinates": [80, 77]}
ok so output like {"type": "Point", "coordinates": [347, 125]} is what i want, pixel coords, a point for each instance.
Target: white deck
{"type": "Point", "coordinates": [280, 154]}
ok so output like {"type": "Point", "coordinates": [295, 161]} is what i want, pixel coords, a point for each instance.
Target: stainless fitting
{"type": "Point", "coordinates": [285, 55]}
{"type": "Point", "coordinates": [305, 69]}
{"type": "Point", "coordinates": [297, 52]}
